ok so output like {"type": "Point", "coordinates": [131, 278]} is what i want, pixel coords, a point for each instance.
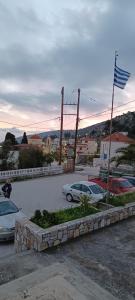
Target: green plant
{"type": "Point", "coordinates": [31, 158]}
{"type": "Point", "coordinates": [45, 213]}
{"type": "Point", "coordinates": [84, 201]}
{"type": "Point", "coordinates": [37, 214]}
{"type": "Point", "coordinates": [126, 155]}
{"type": "Point", "coordinates": [47, 219]}
{"type": "Point", "coordinates": [122, 199]}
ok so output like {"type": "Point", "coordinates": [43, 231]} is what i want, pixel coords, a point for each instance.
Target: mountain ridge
{"type": "Point", "coordinates": [124, 122]}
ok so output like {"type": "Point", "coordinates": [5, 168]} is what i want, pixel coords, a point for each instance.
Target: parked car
{"type": "Point", "coordinates": [131, 179]}
{"type": "Point", "coordinates": [116, 185]}
{"type": "Point", "coordinates": [76, 190]}
{"type": "Point", "coordinates": [8, 214]}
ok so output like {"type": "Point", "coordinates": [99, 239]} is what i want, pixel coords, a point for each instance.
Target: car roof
{"type": "Point", "coordinates": [88, 183]}
{"type": "Point", "coordinates": [126, 176]}
{"type": "Point", "coordinates": [119, 178]}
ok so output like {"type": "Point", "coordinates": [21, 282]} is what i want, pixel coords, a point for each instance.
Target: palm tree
{"type": "Point", "coordinates": [127, 155]}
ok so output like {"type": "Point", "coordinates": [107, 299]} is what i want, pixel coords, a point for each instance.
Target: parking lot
{"type": "Point", "coordinates": [42, 193]}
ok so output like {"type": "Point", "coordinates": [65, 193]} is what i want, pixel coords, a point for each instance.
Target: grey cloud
{"type": "Point", "coordinates": [82, 58]}
{"type": "Point", "coordinates": [48, 103]}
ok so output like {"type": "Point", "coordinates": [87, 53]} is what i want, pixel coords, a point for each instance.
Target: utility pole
{"type": "Point", "coordinates": [63, 105]}
{"type": "Point", "coordinates": [76, 131]}
{"type": "Point", "coordinates": [61, 127]}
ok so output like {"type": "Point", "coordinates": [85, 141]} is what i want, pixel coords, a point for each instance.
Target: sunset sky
{"type": "Point", "coordinates": [47, 44]}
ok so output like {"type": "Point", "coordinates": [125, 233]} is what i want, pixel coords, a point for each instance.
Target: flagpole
{"type": "Point", "coordinates": [110, 133]}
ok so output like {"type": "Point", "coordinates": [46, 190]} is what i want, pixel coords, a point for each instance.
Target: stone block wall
{"type": "Point", "coordinates": [30, 236]}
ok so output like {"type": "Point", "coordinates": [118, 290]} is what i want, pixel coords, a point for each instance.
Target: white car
{"type": "Point", "coordinates": [8, 214]}
{"type": "Point", "coordinates": [76, 190]}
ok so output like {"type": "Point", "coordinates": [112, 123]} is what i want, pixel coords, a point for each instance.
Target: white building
{"type": "Point", "coordinates": [118, 140]}
{"type": "Point", "coordinates": [86, 147]}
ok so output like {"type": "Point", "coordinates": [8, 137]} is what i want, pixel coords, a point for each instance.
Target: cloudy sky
{"type": "Point", "coordinates": [47, 44]}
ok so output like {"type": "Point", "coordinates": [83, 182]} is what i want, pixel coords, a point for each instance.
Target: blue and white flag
{"type": "Point", "coordinates": [120, 77]}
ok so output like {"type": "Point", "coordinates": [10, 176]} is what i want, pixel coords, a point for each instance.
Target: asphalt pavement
{"type": "Point", "coordinates": [42, 193]}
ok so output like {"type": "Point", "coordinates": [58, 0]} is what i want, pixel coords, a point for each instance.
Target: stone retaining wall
{"type": "Point", "coordinates": [30, 236]}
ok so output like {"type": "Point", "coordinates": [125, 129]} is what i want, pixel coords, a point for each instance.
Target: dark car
{"type": "Point", "coordinates": [131, 179]}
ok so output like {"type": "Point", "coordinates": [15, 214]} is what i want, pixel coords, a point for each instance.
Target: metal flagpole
{"type": "Point", "coordinates": [61, 126]}
{"type": "Point", "coordinates": [110, 138]}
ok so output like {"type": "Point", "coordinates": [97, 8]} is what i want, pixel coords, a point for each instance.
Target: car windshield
{"type": "Point", "coordinates": [7, 207]}
{"type": "Point", "coordinates": [126, 184]}
{"type": "Point", "coordinates": [131, 180]}
{"type": "Point", "coordinates": [96, 189]}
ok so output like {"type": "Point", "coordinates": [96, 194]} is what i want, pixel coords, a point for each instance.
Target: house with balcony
{"type": "Point", "coordinates": [86, 147]}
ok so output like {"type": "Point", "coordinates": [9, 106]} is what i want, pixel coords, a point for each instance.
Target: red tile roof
{"type": "Point", "coordinates": [87, 139]}
{"type": "Point", "coordinates": [119, 137]}
{"type": "Point", "coordinates": [35, 137]}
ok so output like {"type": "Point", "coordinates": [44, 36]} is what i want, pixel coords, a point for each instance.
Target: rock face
{"type": "Point", "coordinates": [30, 236]}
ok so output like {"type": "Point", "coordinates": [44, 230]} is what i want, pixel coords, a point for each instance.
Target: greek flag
{"type": "Point", "coordinates": [120, 77]}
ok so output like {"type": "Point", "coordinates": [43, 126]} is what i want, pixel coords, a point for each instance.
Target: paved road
{"type": "Point", "coordinates": [43, 193]}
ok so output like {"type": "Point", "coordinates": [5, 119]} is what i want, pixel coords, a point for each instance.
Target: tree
{"type": "Point", "coordinates": [53, 136]}
{"type": "Point", "coordinates": [67, 135]}
{"type": "Point", "coordinates": [24, 139]}
{"type": "Point", "coordinates": [31, 158]}
{"type": "Point", "coordinates": [49, 158]}
{"type": "Point", "coordinates": [57, 156]}
{"type": "Point", "coordinates": [127, 155]}
{"type": "Point", "coordinates": [6, 147]}
{"type": "Point", "coordinates": [10, 138]}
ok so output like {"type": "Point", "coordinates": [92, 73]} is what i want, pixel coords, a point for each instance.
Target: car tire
{"type": "Point", "coordinates": [69, 197]}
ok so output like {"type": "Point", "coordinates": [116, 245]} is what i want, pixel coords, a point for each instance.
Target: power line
{"type": "Point", "coordinates": [57, 118]}
{"type": "Point", "coordinates": [93, 115]}
{"type": "Point", "coordinates": [27, 125]}
{"type": "Point", "coordinates": [41, 122]}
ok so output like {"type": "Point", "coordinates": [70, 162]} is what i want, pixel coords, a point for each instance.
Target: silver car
{"type": "Point", "coordinates": [76, 190]}
{"type": "Point", "coordinates": [8, 214]}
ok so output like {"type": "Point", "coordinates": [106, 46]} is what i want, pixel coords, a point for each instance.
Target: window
{"type": "Point", "coordinates": [131, 180]}
{"type": "Point", "coordinates": [76, 186]}
{"type": "Point", "coordinates": [96, 189]}
{"type": "Point", "coordinates": [85, 189]}
{"type": "Point", "coordinates": [125, 184]}
{"type": "Point", "coordinates": [7, 207]}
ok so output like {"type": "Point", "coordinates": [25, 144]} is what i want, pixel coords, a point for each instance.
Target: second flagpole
{"type": "Point", "coordinates": [110, 133]}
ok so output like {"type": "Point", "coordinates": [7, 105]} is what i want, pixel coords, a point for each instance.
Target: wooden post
{"type": "Point", "coordinates": [61, 126]}
{"type": "Point", "coordinates": [76, 131]}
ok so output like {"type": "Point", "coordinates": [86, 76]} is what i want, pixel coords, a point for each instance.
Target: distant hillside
{"type": "Point", "coordinates": [95, 130]}
{"type": "Point", "coordinates": [125, 122]}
